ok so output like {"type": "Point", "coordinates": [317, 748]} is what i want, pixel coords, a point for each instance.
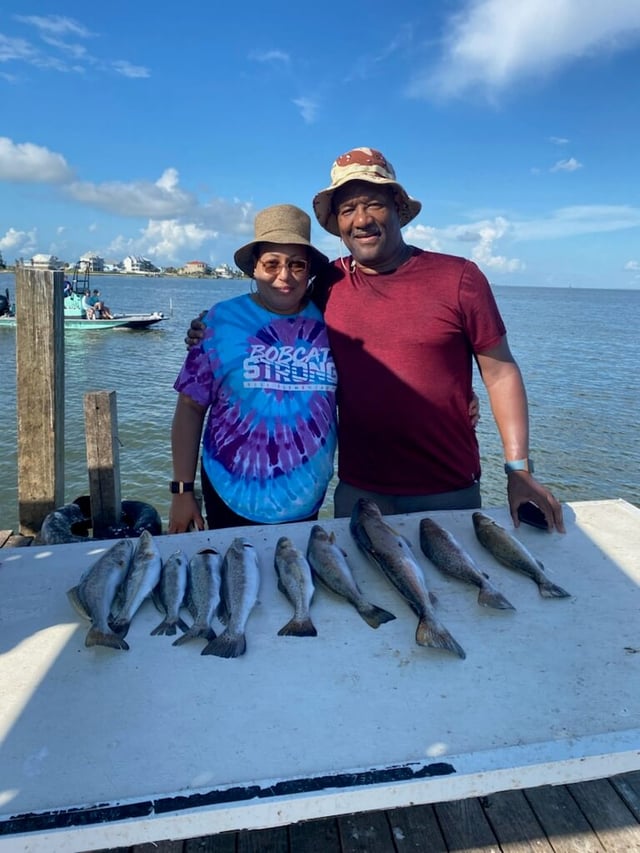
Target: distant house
{"type": "Point", "coordinates": [2, 263]}
{"type": "Point", "coordinates": [46, 262]}
{"type": "Point", "coordinates": [137, 264]}
{"type": "Point", "coordinates": [196, 268]}
{"type": "Point", "coordinates": [92, 262]}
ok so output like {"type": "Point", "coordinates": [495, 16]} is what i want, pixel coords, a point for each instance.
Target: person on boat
{"type": "Point", "coordinates": [101, 311]}
{"type": "Point", "coordinates": [68, 288]}
{"type": "Point", "coordinates": [405, 326]}
{"type": "Point", "coordinates": [264, 374]}
{"type": "Point", "coordinates": [88, 306]}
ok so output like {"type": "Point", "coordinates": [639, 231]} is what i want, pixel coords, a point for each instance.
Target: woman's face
{"type": "Point", "coordinates": [281, 274]}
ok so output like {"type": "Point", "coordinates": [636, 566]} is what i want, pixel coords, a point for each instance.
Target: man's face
{"type": "Point", "coordinates": [368, 221]}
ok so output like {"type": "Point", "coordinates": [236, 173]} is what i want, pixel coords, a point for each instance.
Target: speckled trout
{"type": "Point", "coordinates": [296, 582]}
{"type": "Point", "coordinates": [94, 595]}
{"type": "Point", "coordinates": [239, 593]}
{"type": "Point", "coordinates": [446, 553]}
{"type": "Point", "coordinates": [391, 553]}
{"type": "Point", "coordinates": [170, 593]}
{"type": "Point", "coordinates": [142, 578]}
{"type": "Point", "coordinates": [511, 553]}
{"type": "Point", "coordinates": [329, 563]}
{"type": "Point", "coordinates": [203, 594]}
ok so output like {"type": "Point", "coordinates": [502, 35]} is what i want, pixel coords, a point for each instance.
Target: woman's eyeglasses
{"type": "Point", "coordinates": [273, 267]}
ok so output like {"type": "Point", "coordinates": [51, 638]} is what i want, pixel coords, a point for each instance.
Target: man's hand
{"type": "Point", "coordinates": [522, 487]}
{"type": "Point", "coordinates": [195, 332]}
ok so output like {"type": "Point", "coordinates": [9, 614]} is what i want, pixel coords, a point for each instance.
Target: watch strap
{"type": "Point", "coordinates": [178, 487]}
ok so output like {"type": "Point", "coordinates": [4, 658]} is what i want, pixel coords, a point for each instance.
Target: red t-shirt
{"type": "Point", "coordinates": [403, 344]}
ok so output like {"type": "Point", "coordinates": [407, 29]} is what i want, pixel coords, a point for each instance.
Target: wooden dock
{"type": "Point", "coordinates": [601, 816]}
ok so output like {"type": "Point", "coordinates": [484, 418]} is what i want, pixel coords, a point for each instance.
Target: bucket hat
{"type": "Point", "coordinates": [362, 164]}
{"type": "Point", "coordinates": [281, 223]}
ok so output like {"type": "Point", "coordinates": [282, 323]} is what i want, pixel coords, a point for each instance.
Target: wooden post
{"type": "Point", "coordinates": [39, 394]}
{"type": "Point", "coordinates": [103, 459]}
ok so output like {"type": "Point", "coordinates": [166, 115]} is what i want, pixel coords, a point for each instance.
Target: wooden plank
{"type": "Point", "coordinates": [563, 822]}
{"type": "Point", "coordinates": [628, 786]}
{"type": "Point", "coordinates": [272, 840]}
{"type": "Point", "coordinates": [611, 820]}
{"type": "Point", "coordinates": [225, 842]}
{"type": "Point", "coordinates": [17, 540]}
{"type": "Point", "coordinates": [313, 836]}
{"type": "Point", "coordinates": [39, 394]}
{"type": "Point", "coordinates": [4, 537]}
{"type": "Point", "coordinates": [365, 832]}
{"type": "Point", "coordinates": [103, 459]}
{"type": "Point", "coordinates": [465, 826]}
{"type": "Point", "coordinates": [157, 847]}
{"type": "Point", "coordinates": [514, 823]}
{"type": "Point", "coordinates": [415, 828]}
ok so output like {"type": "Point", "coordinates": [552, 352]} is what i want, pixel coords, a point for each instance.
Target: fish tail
{"type": "Point", "coordinates": [298, 628]}
{"type": "Point", "coordinates": [375, 616]}
{"type": "Point", "coordinates": [194, 632]}
{"type": "Point", "coordinates": [169, 626]}
{"type": "Point", "coordinates": [431, 633]}
{"type": "Point", "coordinates": [551, 590]}
{"type": "Point", "coordinates": [490, 597]}
{"type": "Point", "coordinates": [226, 645]}
{"type": "Point", "coordinates": [96, 637]}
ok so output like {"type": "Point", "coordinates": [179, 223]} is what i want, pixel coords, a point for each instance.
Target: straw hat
{"type": "Point", "coordinates": [362, 164]}
{"type": "Point", "coordinates": [282, 223]}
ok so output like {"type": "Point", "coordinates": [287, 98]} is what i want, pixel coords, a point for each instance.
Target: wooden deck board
{"type": "Point", "coordinates": [465, 826]}
{"type": "Point", "coordinates": [415, 829]}
{"type": "Point", "coordinates": [514, 823]}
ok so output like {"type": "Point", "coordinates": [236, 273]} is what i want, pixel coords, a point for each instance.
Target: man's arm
{"type": "Point", "coordinates": [508, 398]}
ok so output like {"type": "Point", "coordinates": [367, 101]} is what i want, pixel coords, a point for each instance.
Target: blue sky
{"type": "Point", "coordinates": [159, 130]}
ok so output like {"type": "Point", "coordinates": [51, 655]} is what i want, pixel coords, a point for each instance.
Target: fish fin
{"type": "Point", "coordinates": [76, 601]}
{"type": "Point", "coordinates": [375, 616]}
{"type": "Point", "coordinates": [332, 537]}
{"type": "Point", "coordinates": [169, 626]}
{"type": "Point", "coordinates": [195, 632]}
{"type": "Point", "coordinates": [157, 600]}
{"type": "Point", "coordinates": [120, 627]}
{"type": "Point", "coordinates": [490, 597]}
{"type": "Point", "coordinates": [226, 646]}
{"type": "Point", "coordinates": [298, 628]}
{"type": "Point", "coordinates": [95, 637]}
{"type": "Point", "coordinates": [431, 633]}
{"type": "Point", "coordinates": [433, 598]}
{"type": "Point", "coordinates": [551, 590]}
{"type": "Point", "coordinates": [222, 611]}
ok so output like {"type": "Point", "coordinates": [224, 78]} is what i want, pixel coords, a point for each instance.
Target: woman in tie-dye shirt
{"type": "Point", "coordinates": [264, 378]}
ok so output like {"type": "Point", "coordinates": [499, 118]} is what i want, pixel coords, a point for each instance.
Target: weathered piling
{"type": "Point", "coordinates": [39, 394]}
{"type": "Point", "coordinates": [103, 458]}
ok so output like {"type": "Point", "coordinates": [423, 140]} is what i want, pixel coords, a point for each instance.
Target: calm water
{"type": "Point", "coordinates": [577, 350]}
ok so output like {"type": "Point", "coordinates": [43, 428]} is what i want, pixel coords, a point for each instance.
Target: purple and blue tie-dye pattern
{"type": "Point", "coordinates": [270, 384]}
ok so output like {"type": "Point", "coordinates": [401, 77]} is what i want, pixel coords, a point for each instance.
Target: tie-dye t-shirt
{"type": "Point", "coordinates": [270, 384]}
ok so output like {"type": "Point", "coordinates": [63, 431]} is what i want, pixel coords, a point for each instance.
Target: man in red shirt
{"type": "Point", "coordinates": [404, 327]}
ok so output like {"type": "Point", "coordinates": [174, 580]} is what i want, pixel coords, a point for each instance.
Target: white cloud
{"type": "Point", "coordinates": [632, 266]}
{"type": "Point", "coordinates": [55, 24]}
{"type": "Point", "coordinates": [162, 199]}
{"type": "Point", "coordinates": [164, 240]}
{"type": "Point", "coordinates": [308, 109]}
{"type": "Point", "coordinates": [25, 162]}
{"type": "Point", "coordinates": [127, 69]}
{"type": "Point", "coordinates": [570, 165]}
{"type": "Point", "coordinates": [483, 235]}
{"type": "Point", "coordinates": [490, 44]}
{"type": "Point", "coordinates": [577, 220]}
{"type": "Point", "coordinates": [270, 56]}
{"type": "Point", "coordinates": [558, 140]}
{"type": "Point", "coordinates": [20, 242]}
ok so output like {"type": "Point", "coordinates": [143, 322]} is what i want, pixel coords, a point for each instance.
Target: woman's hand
{"type": "Point", "coordinates": [185, 514]}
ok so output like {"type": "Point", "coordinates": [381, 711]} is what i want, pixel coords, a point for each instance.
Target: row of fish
{"type": "Point", "coordinates": [392, 554]}
{"type": "Point", "coordinates": [113, 589]}
{"type": "Point", "coordinates": [209, 585]}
